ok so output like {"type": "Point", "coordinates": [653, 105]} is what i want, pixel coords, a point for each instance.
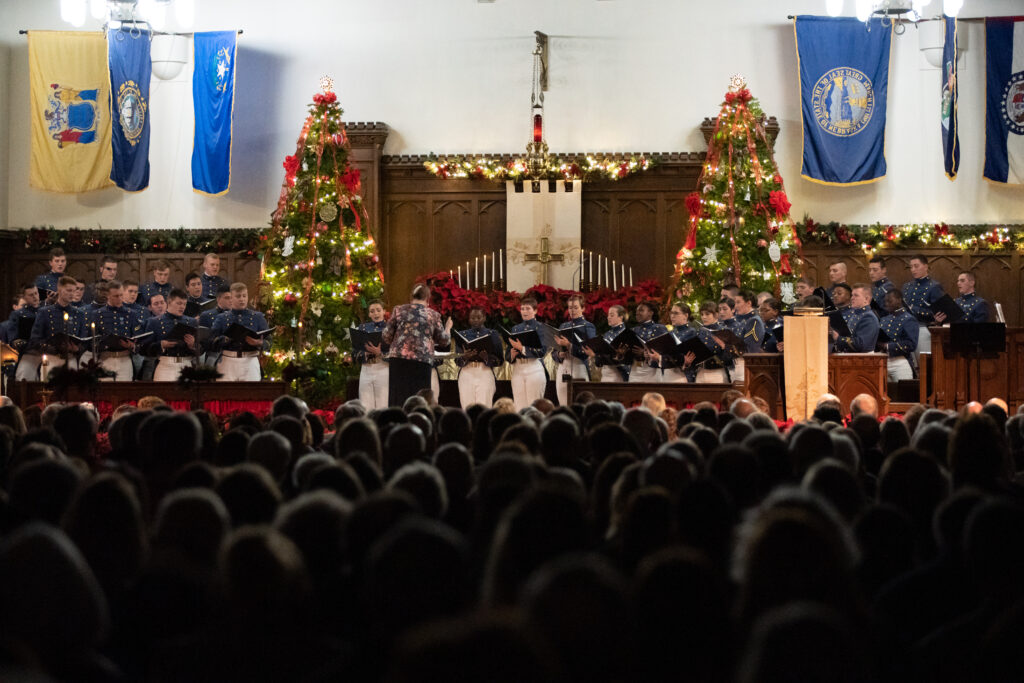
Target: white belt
{"type": "Point", "coordinates": [104, 355]}
{"type": "Point", "coordinates": [474, 364]}
{"type": "Point", "coordinates": [240, 354]}
{"type": "Point", "coordinates": [177, 359]}
{"type": "Point", "coordinates": [527, 360]}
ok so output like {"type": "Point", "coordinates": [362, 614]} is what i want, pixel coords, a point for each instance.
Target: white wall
{"type": "Point", "coordinates": [454, 76]}
{"type": "Point", "coordinates": [5, 79]}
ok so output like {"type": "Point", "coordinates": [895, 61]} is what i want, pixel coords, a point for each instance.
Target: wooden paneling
{"type": "Point", "coordinates": [639, 222]}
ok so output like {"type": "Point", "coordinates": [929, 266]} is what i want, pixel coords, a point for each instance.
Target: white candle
{"type": "Point", "coordinates": [493, 262]}
{"type": "Point", "coordinates": [631, 276]}
{"type": "Point", "coordinates": [476, 272]}
{"type": "Point", "coordinates": [607, 280]}
{"type": "Point", "coordinates": [501, 265]}
{"type": "Point", "coordinates": [615, 276]}
{"type": "Point", "coordinates": [485, 270]}
{"type": "Point", "coordinates": [467, 275]}
{"type": "Point", "coordinates": [581, 263]}
{"type": "Point", "coordinates": [623, 274]}
{"type": "Point", "coordinates": [460, 276]}
{"type": "Point", "coordinates": [591, 278]}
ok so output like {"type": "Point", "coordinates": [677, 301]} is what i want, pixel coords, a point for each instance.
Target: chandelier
{"type": "Point", "coordinates": [115, 13]}
{"type": "Point", "coordinates": [899, 12]}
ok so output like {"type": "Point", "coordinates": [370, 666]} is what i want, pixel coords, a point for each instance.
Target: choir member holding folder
{"type": "Point", "coordinates": [612, 350]}
{"type": "Point", "coordinates": [59, 329]}
{"type": "Point", "coordinates": [480, 352]}
{"type": "Point", "coordinates": [174, 338]}
{"type": "Point", "coordinates": [116, 330]}
{"type": "Point", "coordinates": [572, 360]}
{"type": "Point", "coordinates": [368, 348]}
{"type": "Point", "coordinates": [644, 368]}
{"type": "Point", "coordinates": [241, 334]}
{"type": "Point", "coordinates": [716, 367]}
{"type": "Point", "coordinates": [675, 352]}
{"type": "Point", "coordinates": [526, 350]}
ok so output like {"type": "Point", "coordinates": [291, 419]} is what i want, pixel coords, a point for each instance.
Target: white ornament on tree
{"type": "Point", "coordinates": [774, 252]}
{"type": "Point", "coordinates": [787, 293]}
{"type": "Point", "coordinates": [289, 245]}
{"type": "Point", "coordinates": [710, 255]}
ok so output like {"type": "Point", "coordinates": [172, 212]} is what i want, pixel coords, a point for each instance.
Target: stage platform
{"type": "Point", "coordinates": [116, 393]}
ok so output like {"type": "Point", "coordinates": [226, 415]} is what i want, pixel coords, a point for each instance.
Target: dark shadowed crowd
{"type": "Point", "coordinates": [585, 543]}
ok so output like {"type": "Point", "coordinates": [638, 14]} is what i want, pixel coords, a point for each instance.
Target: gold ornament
{"type": "Point", "coordinates": [326, 83]}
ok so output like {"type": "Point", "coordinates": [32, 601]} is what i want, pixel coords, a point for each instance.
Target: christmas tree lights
{"type": "Point", "coordinates": [740, 231]}
{"type": "Point", "coordinates": [319, 263]}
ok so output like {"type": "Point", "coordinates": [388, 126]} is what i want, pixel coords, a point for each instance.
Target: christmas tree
{"type": "Point", "coordinates": [740, 231]}
{"type": "Point", "coordinates": [320, 264]}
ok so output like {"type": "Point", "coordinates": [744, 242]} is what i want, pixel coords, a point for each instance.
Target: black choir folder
{"type": "Point", "coordinates": [669, 346]}
{"type": "Point", "coordinates": [237, 332]}
{"type": "Point", "coordinates": [194, 308]}
{"type": "Point", "coordinates": [624, 343]}
{"type": "Point", "coordinates": [481, 347]}
{"type": "Point", "coordinates": [113, 341]}
{"type": "Point", "coordinates": [733, 341]}
{"type": "Point", "coordinates": [361, 338]}
{"type": "Point", "coordinates": [838, 323]}
{"type": "Point", "coordinates": [25, 327]}
{"type": "Point", "coordinates": [946, 304]}
{"type": "Point", "coordinates": [531, 339]}
{"type": "Point", "coordinates": [576, 335]}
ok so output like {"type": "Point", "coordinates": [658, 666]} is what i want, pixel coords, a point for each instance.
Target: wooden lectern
{"type": "Point", "coordinates": [805, 361]}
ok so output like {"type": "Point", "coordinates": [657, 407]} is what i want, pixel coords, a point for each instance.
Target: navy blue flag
{"type": "Point", "coordinates": [213, 96]}
{"type": "Point", "coordinates": [130, 71]}
{"type": "Point", "coordinates": [844, 80]}
{"type": "Point", "coordinates": [1004, 111]}
{"type": "Point", "coordinates": [950, 93]}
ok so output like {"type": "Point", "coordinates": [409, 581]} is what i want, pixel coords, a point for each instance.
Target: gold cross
{"type": "Point", "coordinates": [544, 258]}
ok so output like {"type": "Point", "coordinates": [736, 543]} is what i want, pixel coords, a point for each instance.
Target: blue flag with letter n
{"type": "Point", "coordinates": [213, 95]}
{"type": "Point", "coordinates": [130, 72]}
{"type": "Point", "coordinates": [1004, 110]}
{"type": "Point", "coordinates": [844, 79]}
{"type": "Point", "coordinates": [950, 94]}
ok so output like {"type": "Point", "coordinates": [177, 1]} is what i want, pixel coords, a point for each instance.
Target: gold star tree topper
{"type": "Point", "coordinates": [327, 84]}
{"type": "Point", "coordinates": [737, 83]}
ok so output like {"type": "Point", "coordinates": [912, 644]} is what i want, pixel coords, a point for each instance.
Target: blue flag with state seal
{"type": "Point", "coordinates": [844, 80]}
{"type": "Point", "coordinates": [130, 72]}
{"type": "Point", "coordinates": [1004, 109]}
{"type": "Point", "coordinates": [213, 96]}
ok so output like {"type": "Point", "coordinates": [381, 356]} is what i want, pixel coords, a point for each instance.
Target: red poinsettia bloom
{"type": "Point", "coordinates": [779, 202]}
{"type": "Point", "coordinates": [810, 226]}
{"type": "Point", "coordinates": [890, 233]}
{"type": "Point", "coordinates": [942, 230]}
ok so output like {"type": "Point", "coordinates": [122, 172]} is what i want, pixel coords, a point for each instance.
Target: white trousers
{"type": "Point", "coordinates": [610, 373]}
{"type": "Point", "coordinates": [373, 385]}
{"type": "Point", "coordinates": [28, 367]}
{"type": "Point", "coordinates": [122, 367]}
{"type": "Point", "coordinates": [924, 343]}
{"type": "Point", "coordinates": [476, 385]}
{"type": "Point", "coordinates": [674, 376]}
{"type": "Point", "coordinates": [715, 376]}
{"type": "Point", "coordinates": [899, 368]}
{"type": "Point", "coordinates": [239, 369]}
{"type": "Point", "coordinates": [168, 368]}
{"type": "Point", "coordinates": [644, 373]}
{"type": "Point", "coordinates": [577, 368]}
{"type": "Point", "coordinates": [528, 382]}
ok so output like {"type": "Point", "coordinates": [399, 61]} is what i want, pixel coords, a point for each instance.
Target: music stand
{"type": "Point", "coordinates": [974, 341]}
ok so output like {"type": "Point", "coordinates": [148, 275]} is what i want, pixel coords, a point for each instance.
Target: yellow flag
{"type": "Point", "coordinates": [70, 111]}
